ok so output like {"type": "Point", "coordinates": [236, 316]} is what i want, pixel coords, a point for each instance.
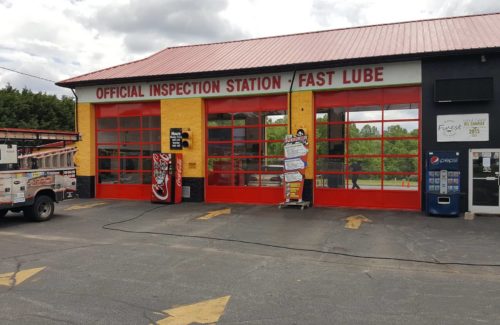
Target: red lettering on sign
{"type": "Point", "coordinates": [345, 78]}
{"type": "Point", "coordinates": [185, 88]}
{"type": "Point", "coordinates": [379, 74]}
{"type": "Point", "coordinates": [98, 93]}
{"type": "Point", "coordinates": [216, 86]}
{"type": "Point", "coordinates": [330, 77]}
{"type": "Point", "coordinates": [368, 75]}
{"type": "Point", "coordinates": [365, 75]}
{"type": "Point", "coordinates": [230, 86]}
{"type": "Point", "coordinates": [321, 79]}
{"type": "Point", "coordinates": [164, 89]}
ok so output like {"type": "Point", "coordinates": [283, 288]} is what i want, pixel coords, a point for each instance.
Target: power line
{"type": "Point", "coordinates": [27, 74]}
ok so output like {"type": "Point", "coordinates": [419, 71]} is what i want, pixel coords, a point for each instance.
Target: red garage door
{"type": "Point", "coordinates": [126, 137]}
{"type": "Point", "coordinates": [244, 159]}
{"type": "Point", "coordinates": [368, 148]}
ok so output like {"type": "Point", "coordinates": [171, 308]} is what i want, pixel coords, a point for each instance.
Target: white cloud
{"type": "Point", "coordinates": [57, 39]}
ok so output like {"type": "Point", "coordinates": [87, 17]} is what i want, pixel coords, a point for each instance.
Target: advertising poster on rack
{"type": "Point", "coordinates": [296, 148]}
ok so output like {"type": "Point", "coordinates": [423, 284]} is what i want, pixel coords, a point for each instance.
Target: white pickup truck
{"type": "Point", "coordinates": [34, 191]}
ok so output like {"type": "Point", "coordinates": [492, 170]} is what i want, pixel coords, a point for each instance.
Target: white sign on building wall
{"type": "Point", "coordinates": [374, 75]}
{"type": "Point", "coordinates": [463, 128]}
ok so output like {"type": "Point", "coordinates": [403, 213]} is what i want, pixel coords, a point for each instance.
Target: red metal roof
{"type": "Point", "coordinates": [397, 39]}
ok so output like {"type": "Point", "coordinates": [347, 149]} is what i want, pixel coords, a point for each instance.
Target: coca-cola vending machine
{"type": "Point", "coordinates": [167, 178]}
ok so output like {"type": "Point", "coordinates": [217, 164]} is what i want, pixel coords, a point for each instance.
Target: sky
{"type": "Point", "coordinates": [58, 39]}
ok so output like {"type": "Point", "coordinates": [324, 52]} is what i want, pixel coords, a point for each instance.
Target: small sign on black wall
{"type": "Point", "coordinates": [175, 139]}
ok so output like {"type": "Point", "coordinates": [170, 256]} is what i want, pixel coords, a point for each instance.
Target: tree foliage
{"type": "Point", "coordinates": [28, 110]}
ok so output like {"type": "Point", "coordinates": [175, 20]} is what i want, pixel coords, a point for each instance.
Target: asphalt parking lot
{"type": "Point", "coordinates": [125, 262]}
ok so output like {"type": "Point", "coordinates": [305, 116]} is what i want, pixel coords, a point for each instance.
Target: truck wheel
{"type": "Point", "coordinates": [41, 210]}
{"type": "Point", "coordinates": [3, 213]}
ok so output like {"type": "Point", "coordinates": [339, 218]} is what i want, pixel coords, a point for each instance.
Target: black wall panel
{"type": "Point", "coordinates": [470, 66]}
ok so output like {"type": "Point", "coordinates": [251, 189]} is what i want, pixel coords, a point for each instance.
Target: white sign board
{"type": "Point", "coordinates": [373, 75]}
{"type": "Point", "coordinates": [294, 164]}
{"type": "Point", "coordinates": [294, 150]}
{"type": "Point", "coordinates": [293, 177]}
{"type": "Point", "coordinates": [463, 128]}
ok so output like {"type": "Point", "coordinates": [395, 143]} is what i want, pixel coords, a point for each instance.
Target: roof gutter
{"type": "Point", "coordinates": [290, 110]}
{"type": "Point", "coordinates": [76, 109]}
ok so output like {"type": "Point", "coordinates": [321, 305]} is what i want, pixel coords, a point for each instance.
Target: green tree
{"type": "Point", "coordinates": [28, 110]}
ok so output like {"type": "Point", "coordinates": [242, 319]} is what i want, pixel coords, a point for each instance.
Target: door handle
{"type": "Point", "coordinates": [17, 182]}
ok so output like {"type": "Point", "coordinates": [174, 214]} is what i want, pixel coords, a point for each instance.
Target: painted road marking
{"type": "Point", "coordinates": [16, 278]}
{"type": "Point", "coordinates": [213, 214]}
{"type": "Point", "coordinates": [204, 312]}
{"type": "Point", "coordinates": [84, 206]}
{"type": "Point", "coordinates": [354, 222]}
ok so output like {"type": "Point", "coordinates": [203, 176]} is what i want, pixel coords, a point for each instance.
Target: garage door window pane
{"type": "Point", "coordinates": [221, 119]}
{"type": "Point", "coordinates": [151, 122]}
{"type": "Point", "coordinates": [221, 179]}
{"type": "Point", "coordinates": [220, 164]}
{"type": "Point", "coordinates": [107, 137]}
{"type": "Point", "coordinates": [408, 165]}
{"type": "Point", "coordinates": [365, 147]}
{"type": "Point", "coordinates": [149, 149]}
{"type": "Point", "coordinates": [246, 149]}
{"type": "Point", "coordinates": [367, 182]}
{"type": "Point", "coordinates": [146, 178]}
{"type": "Point", "coordinates": [108, 164]}
{"type": "Point", "coordinates": [337, 114]}
{"type": "Point", "coordinates": [365, 164]}
{"type": "Point", "coordinates": [245, 134]}
{"type": "Point", "coordinates": [401, 129]}
{"type": "Point", "coordinates": [130, 136]}
{"type": "Point", "coordinates": [401, 147]}
{"type": "Point", "coordinates": [365, 113]}
{"type": "Point", "coordinates": [365, 130]}
{"type": "Point", "coordinates": [242, 119]}
{"type": "Point", "coordinates": [108, 178]}
{"type": "Point", "coordinates": [130, 164]}
{"type": "Point", "coordinates": [331, 181]}
{"type": "Point", "coordinates": [107, 150]}
{"type": "Point", "coordinates": [107, 123]}
{"type": "Point", "coordinates": [219, 149]}
{"type": "Point", "coordinates": [151, 136]}
{"type": "Point", "coordinates": [147, 164]}
{"type": "Point", "coordinates": [246, 164]}
{"type": "Point", "coordinates": [276, 117]}
{"type": "Point", "coordinates": [401, 112]}
{"type": "Point", "coordinates": [330, 147]}
{"type": "Point", "coordinates": [330, 164]}
{"type": "Point", "coordinates": [401, 182]}
{"type": "Point", "coordinates": [130, 122]}
{"type": "Point", "coordinates": [130, 178]}
{"type": "Point", "coordinates": [130, 150]}
{"type": "Point", "coordinates": [219, 134]}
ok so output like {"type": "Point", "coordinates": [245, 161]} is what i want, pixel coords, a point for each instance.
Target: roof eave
{"type": "Point", "coordinates": [275, 69]}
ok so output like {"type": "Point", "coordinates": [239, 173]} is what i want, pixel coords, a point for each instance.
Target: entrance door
{"type": "Point", "coordinates": [368, 148]}
{"type": "Point", "coordinates": [244, 161]}
{"type": "Point", "coordinates": [484, 180]}
{"type": "Point", "coordinates": [127, 136]}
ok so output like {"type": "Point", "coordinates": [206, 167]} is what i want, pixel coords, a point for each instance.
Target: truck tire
{"type": "Point", "coordinates": [3, 213]}
{"type": "Point", "coordinates": [41, 210]}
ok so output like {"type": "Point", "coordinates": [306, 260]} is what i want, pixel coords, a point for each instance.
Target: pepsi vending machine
{"type": "Point", "coordinates": [167, 178]}
{"type": "Point", "coordinates": [443, 183]}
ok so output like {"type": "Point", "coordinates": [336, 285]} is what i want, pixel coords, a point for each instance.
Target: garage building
{"type": "Point", "coordinates": [372, 94]}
